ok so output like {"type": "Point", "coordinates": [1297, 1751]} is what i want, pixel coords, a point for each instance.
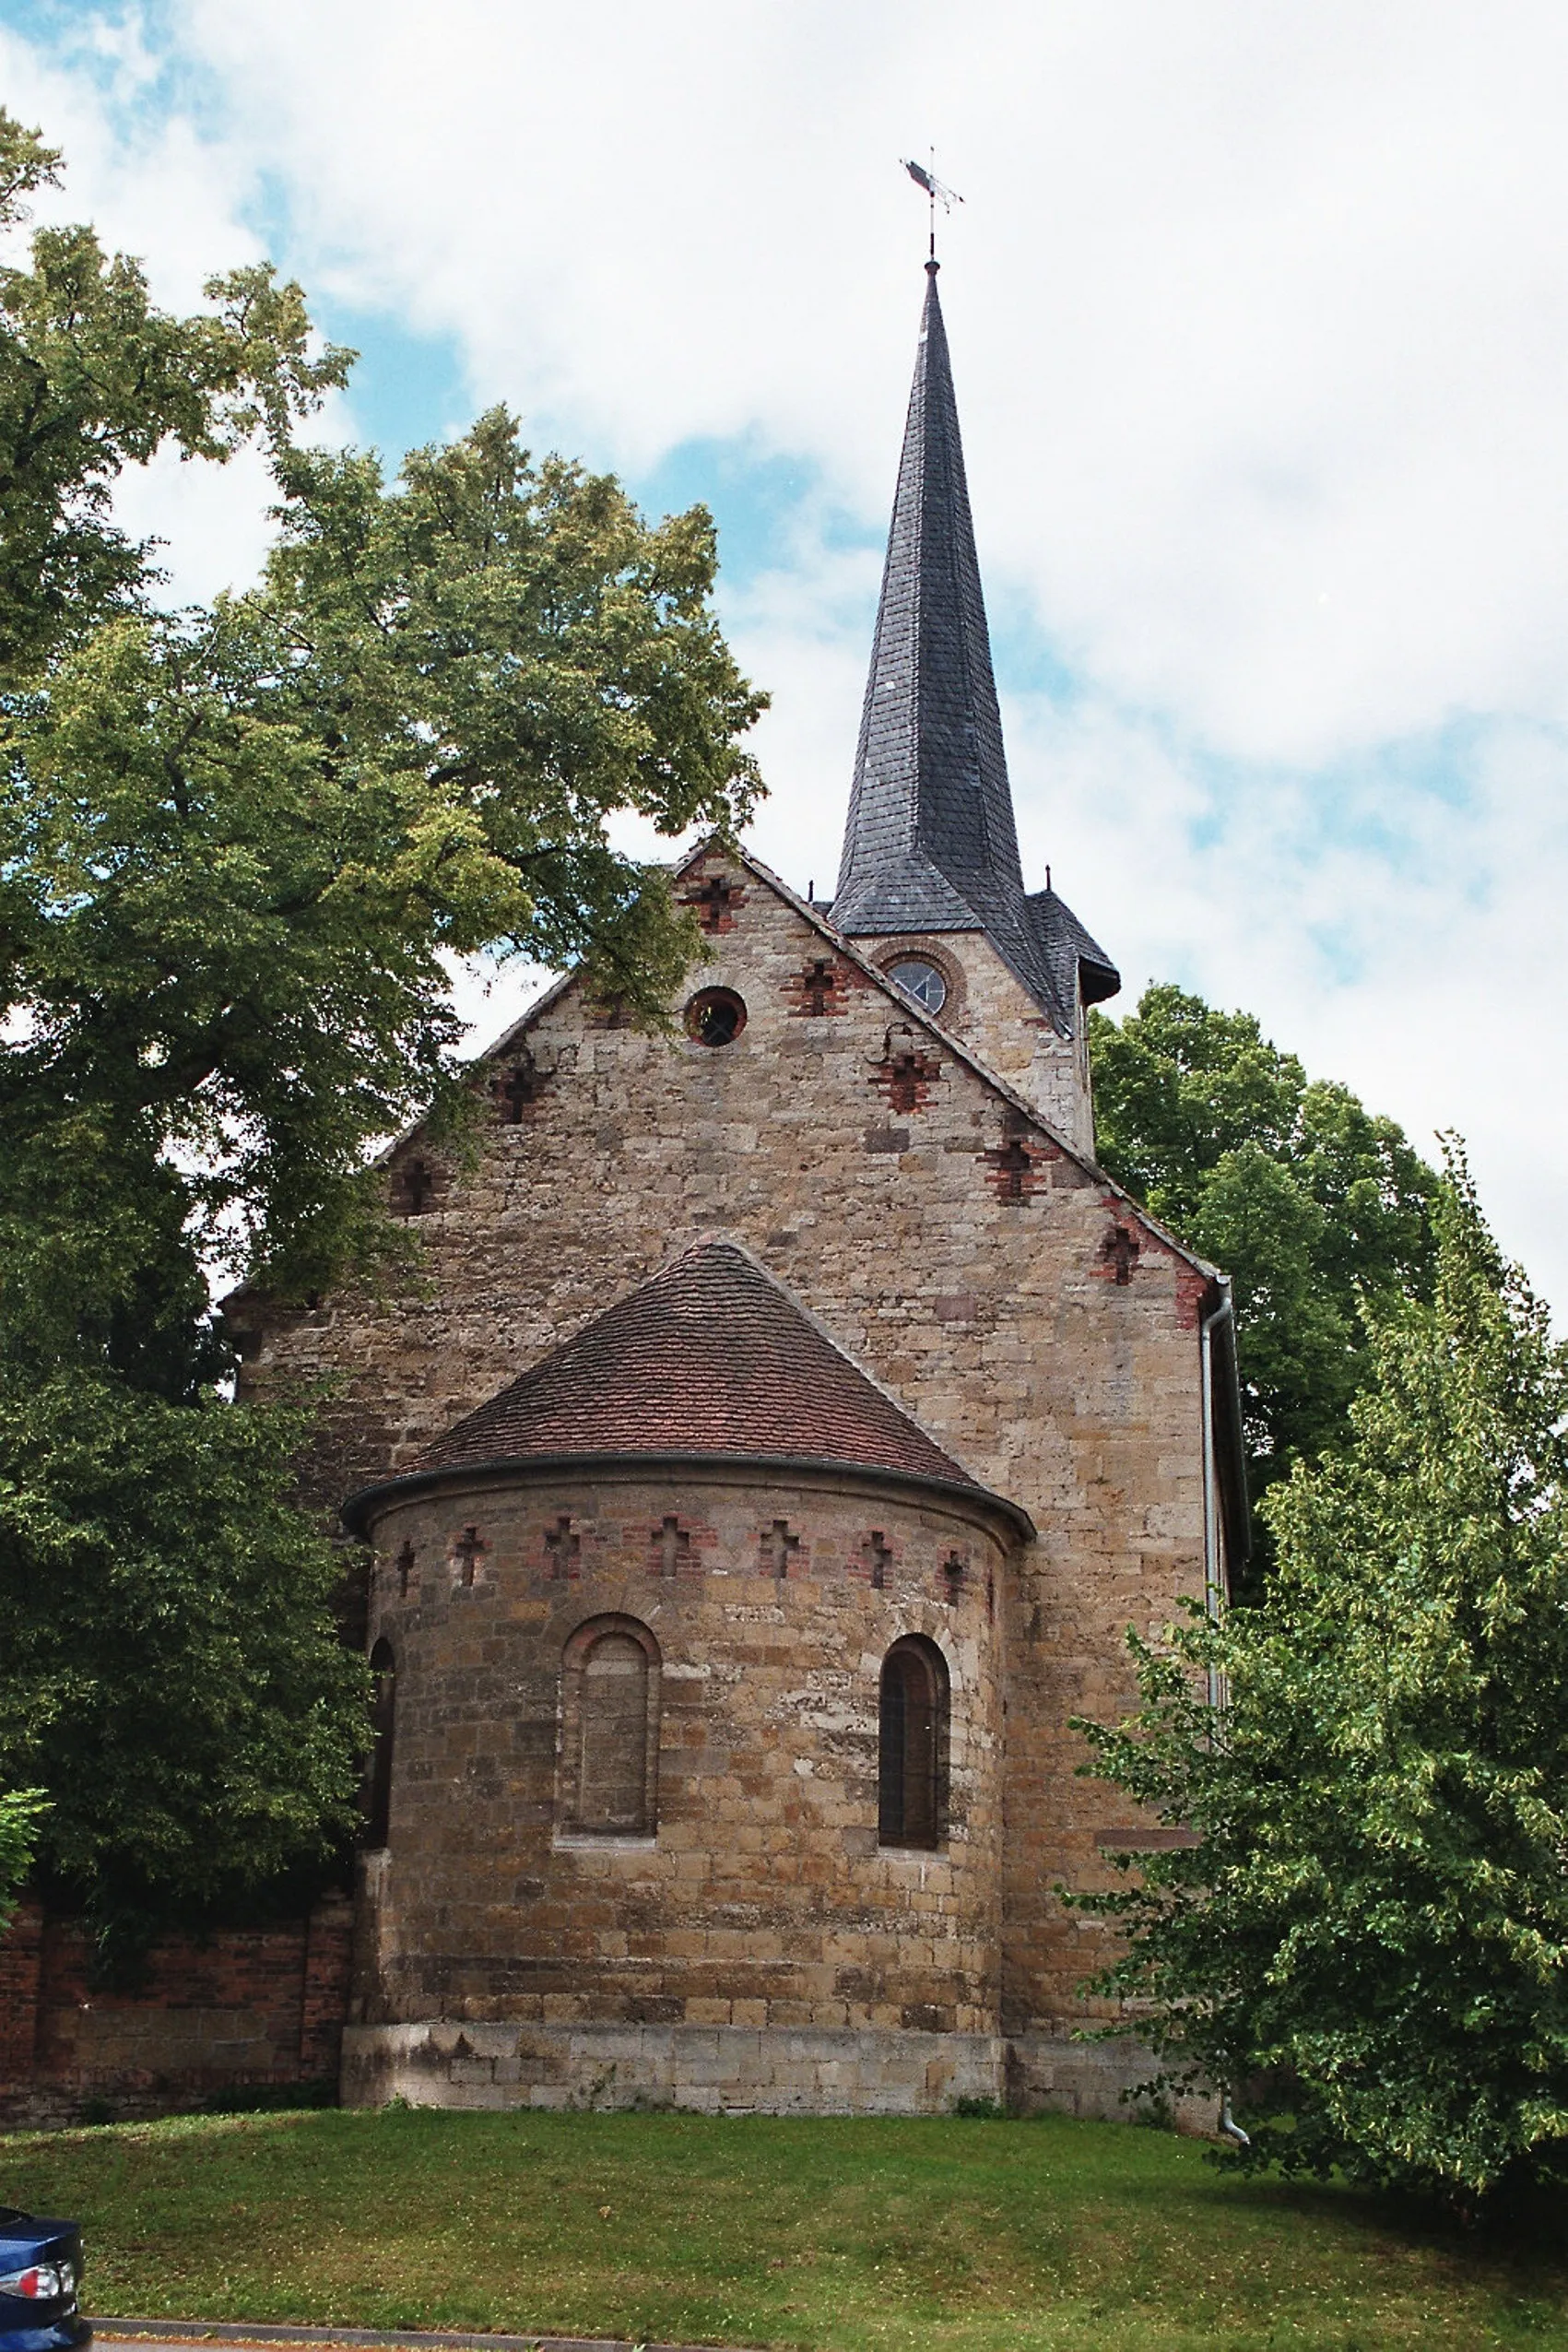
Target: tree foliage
{"type": "Point", "coordinates": [1371, 1926]}
{"type": "Point", "coordinates": [237, 848]}
{"type": "Point", "coordinates": [237, 845]}
{"type": "Point", "coordinates": [93, 377]}
{"type": "Point", "coordinates": [172, 1674]}
{"type": "Point", "coordinates": [1307, 1199]}
{"type": "Point", "coordinates": [20, 1812]}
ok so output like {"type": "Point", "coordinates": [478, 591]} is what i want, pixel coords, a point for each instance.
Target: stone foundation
{"type": "Point", "coordinates": [707, 2069]}
{"type": "Point", "coordinates": [1050, 2072]}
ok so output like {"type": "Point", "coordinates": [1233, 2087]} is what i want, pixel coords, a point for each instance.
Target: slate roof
{"type": "Point", "coordinates": [712, 1356]}
{"type": "Point", "coordinates": [930, 843]}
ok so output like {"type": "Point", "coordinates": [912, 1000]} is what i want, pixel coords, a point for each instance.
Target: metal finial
{"type": "Point", "coordinates": [938, 192]}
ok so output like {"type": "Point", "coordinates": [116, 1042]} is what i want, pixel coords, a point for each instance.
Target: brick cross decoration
{"type": "Point", "coordinates": [418, 1184]}
{"type": "Point", "coordinates": [716, 900]}
{"type": "Point", "coordinates": [512, 1093]}
{"type": "Point", "coordinates": [470, 1548]}
{"type": "Point", "coordinates": [1017, 1169]}
{"type": "Point", "coordinates": [1121, 1247]}
{"type": "Point", "coordinates": [563, 1548]}
{"type": "Point", "coordinates": [778, 1544]}
{"type": "Point", "coordinates": [405, 1570]}
{"type": "Point", "coordinates": [879, 1559]}
{"type": "Point", "coordinates": [907, 1079]}
{"type": "Point", "coordinates": [610, 1012]}
{"type": "Point", "coordinates": [820, 985]}
{"type": "Point", "coordinates": [674, 1546]}
{"type": "Point", "coordinates": [954, 1573]}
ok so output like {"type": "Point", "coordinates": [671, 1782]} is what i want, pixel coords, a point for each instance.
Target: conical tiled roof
{"type": "Point", "coordinates": [712, 1356]}
{"type": "Point", "coordinates": [930, 843]}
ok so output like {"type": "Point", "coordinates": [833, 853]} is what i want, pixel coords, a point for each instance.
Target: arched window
{"type": "Point", "coordinates": [377, 1777]}
{"type": "Point", "coordinates": [912, 1747]}
{"type": "Point", "coordinates": [611, 1744]}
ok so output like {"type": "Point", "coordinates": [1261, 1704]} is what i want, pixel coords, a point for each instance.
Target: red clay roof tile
{"type": "Point", "coordinates": [712, 1356]}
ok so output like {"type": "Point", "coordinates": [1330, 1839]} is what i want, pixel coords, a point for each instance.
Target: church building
{"type": "Point", "coordinates": [788, 1422]}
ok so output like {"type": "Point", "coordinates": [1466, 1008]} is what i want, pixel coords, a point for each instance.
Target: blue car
{"type": "Point", "coordinates": [41, 2271]}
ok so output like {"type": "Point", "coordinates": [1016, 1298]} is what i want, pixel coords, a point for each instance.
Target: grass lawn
{"type": "Point", "coordinates": [973, 2236]}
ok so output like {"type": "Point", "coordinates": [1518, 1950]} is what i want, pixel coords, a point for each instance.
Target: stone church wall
{"type": "Point", "coordinates": [1002, 1292]}
{"type": "Point", "coordinates": [990, 1010]}
{"type": "Point", "coordinates": [764, 1900]}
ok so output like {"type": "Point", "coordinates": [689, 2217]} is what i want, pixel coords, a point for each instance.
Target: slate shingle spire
{"type": "Point", "coordinates": [930, 844]}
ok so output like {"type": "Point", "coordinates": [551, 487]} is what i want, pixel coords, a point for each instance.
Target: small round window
{"type": "Point", "coordinates": [922, 980]}
{"type": "Point", "coordinates": [715, 1017]}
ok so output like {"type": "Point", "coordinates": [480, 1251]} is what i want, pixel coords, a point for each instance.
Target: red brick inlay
{"type": "Point", "coordinates": [822, 985]}
{"type": "Point", "coordinates": [907, 1076]}
{"type": "Point", "coordinates": [1192, 1292]}
{"type": "Point", "coordinates": [609, 1012]}
{"type": "Point", "coordinates": [563, 1550]}
{"type": "Point", "coordinates": [779, 1544]}
{"type": "Point", "coordinates": [671, 1548]}
{"type": "Point", "coordinates": [876, 1560]}
{"type": "Point", "coordinates": [514, 1090]}
{"type": "Point", "coordinates": [715, 900]}
{"type": "Point", "coordinates": [466, 1553]}
{"type": "Point", "coordinates": [416, 1187]}
{"type": "Point", "coordinates": [1020, 1167]}
{"type": "Point", "coordinates": [1119, 1253]}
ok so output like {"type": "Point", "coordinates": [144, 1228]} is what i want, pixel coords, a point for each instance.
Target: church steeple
{"type": "Point", "coordinates": [930, 845]}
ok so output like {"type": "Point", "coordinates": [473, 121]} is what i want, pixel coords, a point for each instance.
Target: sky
{"type": "Point", "coordinates": [1259, 322]}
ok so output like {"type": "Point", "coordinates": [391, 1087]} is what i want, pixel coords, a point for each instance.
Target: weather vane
{"type": "Point", "coordinates": [938, 194]}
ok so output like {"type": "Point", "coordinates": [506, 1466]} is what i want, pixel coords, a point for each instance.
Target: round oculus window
{"type": "Point", "coordinates": [715, 1017]}
{"type": "Point", "coordinates": [922, 980]}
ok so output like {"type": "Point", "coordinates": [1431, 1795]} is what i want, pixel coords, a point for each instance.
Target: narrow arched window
{"type": "Point", "coordinates": [612, 1729]}
{"type": "Point", "coordinates": [378, 1778]}
{"type": "Point", "coordinates": [912, 1745]}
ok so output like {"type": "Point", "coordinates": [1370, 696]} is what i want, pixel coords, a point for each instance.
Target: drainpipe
{"type": "Point", "coordinates": [1213, 1590]}
{"type": "Point", "coordinates": [1213, 1586]}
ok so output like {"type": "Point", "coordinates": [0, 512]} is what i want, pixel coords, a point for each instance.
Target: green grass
{"type": "Point", "coordinates": [973, 2236]}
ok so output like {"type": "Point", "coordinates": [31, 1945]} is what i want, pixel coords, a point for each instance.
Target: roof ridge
{"type": "Point", "coordinates": [722, 1238]}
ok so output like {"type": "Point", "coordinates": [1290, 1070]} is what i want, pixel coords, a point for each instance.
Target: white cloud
{"type": "Point", "coordinates": [1260, 320]}
{"type": "Point", "coordinates": [1260, 317]}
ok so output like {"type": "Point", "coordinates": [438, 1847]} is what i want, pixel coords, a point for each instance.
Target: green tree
{"type": "Point", "coordinates": [238, 849]}
{"type": "Point", "coordinates": [93, 377]}
{"type": "Point", "coordinates": [172, 1674]}
{"type": "Point", "coordinates": [1371, 1924]}
{"type": "Point", "coordinates": [236, 846]}
{"type": "Point", "coordinates": [20, 1810]}
{"type": "Point", "coordinates": [1305, 1199]}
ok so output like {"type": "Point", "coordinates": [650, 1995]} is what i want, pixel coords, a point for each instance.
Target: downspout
{"type": "Point", "coordinates": [1213, 1590]}
{"type": "Point", "coordinates": [1229, 2126]}
{"type": "Point", "coordinates": [1213, 1583]}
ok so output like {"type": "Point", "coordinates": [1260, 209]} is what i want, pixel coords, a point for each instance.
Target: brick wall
{"type": "Point", "coordinates": [247, 2007]}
